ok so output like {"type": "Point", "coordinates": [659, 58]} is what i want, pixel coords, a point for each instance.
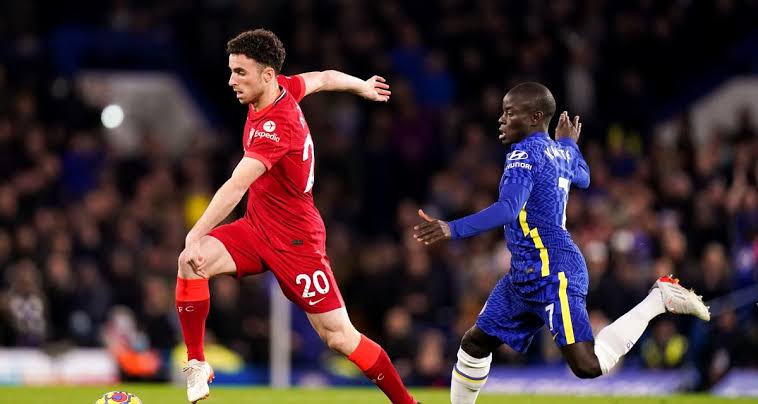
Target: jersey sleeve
{"type": "Point", "coordinates": [505, 210]}
{"type": "Point", "coordinates": [270, 147]}
{"type": "Point", "coordinates": [520, 167]}
{"type": "Point", "coordinates": [581, 170]}
{"type": "Point", "coordinates": [294, 84]}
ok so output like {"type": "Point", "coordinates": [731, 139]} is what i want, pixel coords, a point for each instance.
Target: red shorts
{"type": "Point", "coordinates": [305, 278]}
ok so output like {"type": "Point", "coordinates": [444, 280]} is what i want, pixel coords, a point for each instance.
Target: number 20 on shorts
{"type": "Point", "coordinates": [318, 280]}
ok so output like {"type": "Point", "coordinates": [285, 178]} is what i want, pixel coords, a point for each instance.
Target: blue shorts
{"type": "Point", "coordinates": [515, 316]}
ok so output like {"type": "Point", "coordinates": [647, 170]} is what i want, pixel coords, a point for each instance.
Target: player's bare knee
{"type": "Point", "coordinates": [586, 369]}
{"type": "Point", "coordinates": [335, 340]}
{"type": "Point", "coordinates": [183, 269]}
{"type": "Point", "coordinates": [473, 344]}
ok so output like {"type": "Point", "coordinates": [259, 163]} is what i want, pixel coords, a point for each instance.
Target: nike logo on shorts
{"type": "Point", "coordinates": [315, 302]}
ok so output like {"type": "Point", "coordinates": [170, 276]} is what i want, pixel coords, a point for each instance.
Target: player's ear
{"type": "Point", "coordinates": [537, 118]}
{"type": "Point", "coordinates": [268, 74]}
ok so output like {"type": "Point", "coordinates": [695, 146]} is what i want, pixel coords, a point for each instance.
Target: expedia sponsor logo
{"type": "Point", "coordinates": [259, 133]}
{"type": "Point", "coordinates": [519, 165]}
{"type": "Point", "coordinates": [518, 155]}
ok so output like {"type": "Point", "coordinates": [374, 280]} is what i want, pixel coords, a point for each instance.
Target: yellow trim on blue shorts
{"type": "Point", "coordinates": [568, 328]}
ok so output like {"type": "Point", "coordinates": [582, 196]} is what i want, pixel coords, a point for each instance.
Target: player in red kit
{"type": "Point", "coordinates": [282, 230]}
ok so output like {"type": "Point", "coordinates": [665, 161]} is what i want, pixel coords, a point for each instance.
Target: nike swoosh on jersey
{"type": "Point", "coordinates": [313, 303]}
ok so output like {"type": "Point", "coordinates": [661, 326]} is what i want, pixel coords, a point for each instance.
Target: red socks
{"type": "Point", "coordinates": [192, 305]}
{"type": "Point", "coordinates": [373, 361]}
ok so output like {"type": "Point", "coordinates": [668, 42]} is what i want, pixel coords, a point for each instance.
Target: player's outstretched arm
{"type": "Point", "coordinates": [431, 230]}
{"type": "Point", "coordinates": [226, 198]}
{"type": "Point", "coordinates": [373, 89]}
{"type": "Point", "coordinates": [513, 196]}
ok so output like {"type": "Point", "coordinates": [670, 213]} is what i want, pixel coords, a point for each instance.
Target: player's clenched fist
{"type": "Point", "coordinates": [567, 128]}
{"type": "Point", "coordinates": [431, 230]}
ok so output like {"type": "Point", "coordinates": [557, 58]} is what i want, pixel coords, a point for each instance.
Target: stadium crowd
{"type": "Point", "coordinates": [84, 229]}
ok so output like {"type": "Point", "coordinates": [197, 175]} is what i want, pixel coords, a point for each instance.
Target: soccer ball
{"type": "Point", "coordinates": [118, 397]}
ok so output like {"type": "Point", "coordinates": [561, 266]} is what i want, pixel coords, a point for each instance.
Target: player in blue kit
{"type": "Point", "coordinates": [547, 281]}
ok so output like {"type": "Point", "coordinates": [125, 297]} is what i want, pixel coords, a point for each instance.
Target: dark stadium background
{"type": "Point", "coordinates": [86, 227]}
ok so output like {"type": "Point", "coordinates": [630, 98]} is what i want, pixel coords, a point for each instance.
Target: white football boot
{"type": "Point", "coordinates": [679, 300]}
{"type": "Point", "coordinates": [199, 374]}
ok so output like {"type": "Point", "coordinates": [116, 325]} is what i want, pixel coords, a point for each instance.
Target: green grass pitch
{"type": "Point", "coordinates": [164, 394]}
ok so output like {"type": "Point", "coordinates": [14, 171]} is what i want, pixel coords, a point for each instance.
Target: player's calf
{"type": "Point", "coordinates": [336, 330]}
{"type": "Point", "coordinates": [582, 360]}
{"type": "Point", "coordinates": [587, 370]}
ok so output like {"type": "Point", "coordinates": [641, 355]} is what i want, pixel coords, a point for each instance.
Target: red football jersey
{"type": "Point", "coordinates": [280, 203]}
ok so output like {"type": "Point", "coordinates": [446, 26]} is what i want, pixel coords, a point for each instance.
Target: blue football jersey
{"type": "Point", "coordinates": [541, 246]}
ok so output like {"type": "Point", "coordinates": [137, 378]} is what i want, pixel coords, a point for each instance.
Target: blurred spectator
{"type": "Point", "coordinates": [92, 300]}
{"type": "Point", "coordinates": [129, 346]}
{"type": "Point", "coordinates": [722, 347]}
{"type": "Point", "coordinates": [399, 340]}
{"type": "Point", "coordinates": [158, 314]}
{"type": "Point", "coordinates": [431, 369]}
{"type": "Point", "coordinates": [226, 315]}
{"type": "Point", "coordinates": [60, 291]}
{"type": "Point", "coordinates": [27, 305]}
{"type": "Point", "coordinates": [666, 348]}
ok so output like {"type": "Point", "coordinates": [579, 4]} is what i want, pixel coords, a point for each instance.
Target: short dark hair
{"type": "Point", "coordinates": [261, 45]}
{"type": "Point", "coordinates": [537, 96]}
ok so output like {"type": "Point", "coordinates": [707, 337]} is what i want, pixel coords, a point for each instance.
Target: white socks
{"type": "Point", "coordinates": [615, 340]}
{"type": "Point", "coordinates": [469, 375]}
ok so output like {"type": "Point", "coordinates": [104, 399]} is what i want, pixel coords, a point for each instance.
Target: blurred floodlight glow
{"type": "Point", "coordinates": [112, 116]}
